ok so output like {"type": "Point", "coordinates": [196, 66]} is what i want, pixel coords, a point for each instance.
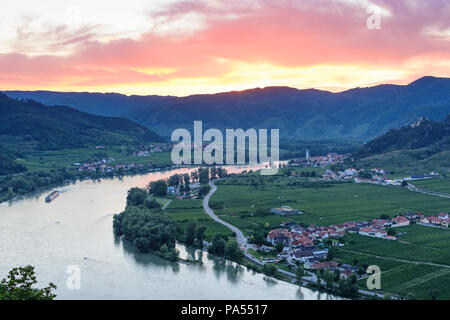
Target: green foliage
{"type": "Point", "coordinates": [190, 233]}
{"type": "Point", "coordinates": [203, 191]}
{"type": "Point", "coordinates": [233, 252]}
{"type": "Point", "coordinates": [158, 188]}
{"type": "Point", "coordinates": [218, 246]}
{"type": "Point", "coordinates": [203, 175]}
{"type": "Point", "coordinates": [270, 270]}
{"type": "Point", "coordinates": [136, 197]}
{"type": "Point", "coordinates": [18, 285]}
{"type": "Point", "coordinates": [152, 204]}
{"type": "Point", "coordinates": [148, 229]}
{"type": "Point", "coordinates": [59, 127]}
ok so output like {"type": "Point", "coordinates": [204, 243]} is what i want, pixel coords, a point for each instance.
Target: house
{"type": "Point", "coordinates": [372, 232]}
{"type": "Point", "coordinates": [303, 256]}
{"type": "Point", "coordinates": [320, 253]}
{"type": "Point", "coordinates": [425, 220]}
{"type": "Point", "coordinates": [346, 274]}
{"type": "Point", "coordinates": [353, 230]}
{"type": "Point", "coordinates": [400, 221]}
{"type": "Point", "coordinates": [324, 265]}
{"type": "Point", "coordinates": [435, 220]}
{"type": "Point", "coordinates": [443, 215]}
{"type": "Point", "coordinates": [410, 215]}
{"type": "Point", "coordinates": [276, 236]}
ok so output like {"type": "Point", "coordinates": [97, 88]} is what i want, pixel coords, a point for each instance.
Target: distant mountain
{"type": "Point", "coordinates": [31, 123]}
{"type": "Point", "coordinates": [429, 136]}
{"type": "Point", "coordinates": [359, 114]}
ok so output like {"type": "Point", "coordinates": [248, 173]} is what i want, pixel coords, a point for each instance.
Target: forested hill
{"type": "Point", "coordinates": [431, 136]}
{"type": "Point", "coordinates": [356, 114]}
{"type": "Point", "coordinates": [59, 127]}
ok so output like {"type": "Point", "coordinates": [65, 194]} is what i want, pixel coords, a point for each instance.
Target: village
{"type": "Point", "coordinates": [106, 166]}
{"type": "Point", "coordinates": [310, 245]}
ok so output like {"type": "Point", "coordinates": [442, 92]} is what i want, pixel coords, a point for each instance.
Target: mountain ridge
{"type": "Point", "coordinates": [359, 113]}
{"type": "Point", "coordinates": [62, 127]}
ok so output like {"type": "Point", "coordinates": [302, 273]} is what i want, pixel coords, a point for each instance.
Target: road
{"type": "Point", "coordinates": [412, 187]}
{"type": "Point", "coordinates": [240, 239]}
{"type": "Point", "coordinates": [242, 242]}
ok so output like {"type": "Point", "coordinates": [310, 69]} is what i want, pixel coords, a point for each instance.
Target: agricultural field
{"type": "Point", "coordinates": [185, 210]}
{"type": "Point", "coordinates": [438, 185]}
{"type": "Point", "coordinates": [247, 201]}
{"type": "Point", "coordinates": [400, 272]}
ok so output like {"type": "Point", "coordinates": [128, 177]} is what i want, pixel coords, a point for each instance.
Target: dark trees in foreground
{"type": "Point", "coordinates": [18, 285]}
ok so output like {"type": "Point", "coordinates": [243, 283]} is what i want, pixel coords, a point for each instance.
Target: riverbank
{"type": "Point", "coordinates": [60, 234]}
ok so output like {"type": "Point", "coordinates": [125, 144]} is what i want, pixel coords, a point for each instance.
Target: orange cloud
{"type": "Point", "coordinates": [295, 43]}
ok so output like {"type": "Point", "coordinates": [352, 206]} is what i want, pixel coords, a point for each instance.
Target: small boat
{"type": "Point", "coordinates": [51, 196]}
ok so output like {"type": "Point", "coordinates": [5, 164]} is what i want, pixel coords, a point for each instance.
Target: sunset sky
{"type": "Point", "coordinates": [185, 47]}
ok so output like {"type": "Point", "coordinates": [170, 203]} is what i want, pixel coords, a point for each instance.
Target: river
{"type": "Point", "coordinates": [76, 230]}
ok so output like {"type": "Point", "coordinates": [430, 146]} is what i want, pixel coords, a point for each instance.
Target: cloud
{"type": "Point", "coordinates": [190, 41]}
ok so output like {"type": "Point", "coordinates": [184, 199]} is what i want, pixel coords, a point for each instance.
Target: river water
{"type": "Point", "coordinates": [76, 230]}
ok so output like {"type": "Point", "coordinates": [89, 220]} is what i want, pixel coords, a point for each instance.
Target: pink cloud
{"type": "Point", "coordinates": [283, 33]}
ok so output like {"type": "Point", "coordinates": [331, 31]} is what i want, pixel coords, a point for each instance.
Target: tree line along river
{"type": "Point", "coordinates": [76, 230]}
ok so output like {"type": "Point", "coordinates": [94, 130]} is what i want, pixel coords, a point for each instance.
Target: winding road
{"type": "Point", "coordinates": [242, 242]}
{"type": "Point", "coordinates": [240, 239]}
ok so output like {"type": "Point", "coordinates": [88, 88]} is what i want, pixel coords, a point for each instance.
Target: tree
{"type": "Point", "coordinates": [194, 176]}
{"type": "Point", "coordinates": [404, 183]}
{"type": "Point", "coordinates": [187, 181]}
{"type": "Point", "coordinates": [18, 285]}
{"type": "Point", "coordinates": [174, 180]}
{"type": "Point", "coordinates": [270, 270]}
{"type": "Point", "coordinates": [158, 188]}
{"type": "Point", "coordinates": [203, 175]}
{"type": "Point", "coordinates": [213, 172]}
{"type": "Point", "coordinates": [152, 204]}
{"type": "Point", "coordinates": [136, 196]}
{"type": "Point", "coordinates": [217, 246]}
{"type": "Point", "coordinates": [148, 229]}
{"type": "Point", "coordinates": [300, 273]}
{"type": "Point", "coordinates": [200, 234]}
{"type": "Point", "coordinates": [221, 172]}
{"type": "Point", "coordinates": [203, 191]}
{"type": "Point", "coordinates": [190, 233]}
{"type": "Point", "coordinates": [279, 247]}
{"type": "Point", "coordinates": [233, 252]}
{"type": "Point", "coordinates": [331, 254]}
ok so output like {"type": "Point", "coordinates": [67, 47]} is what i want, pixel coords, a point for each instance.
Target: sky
{"type": "Point", "coordinates": [183, 47]}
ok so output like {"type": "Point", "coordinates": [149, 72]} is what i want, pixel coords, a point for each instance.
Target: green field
{"type": "Point", "coordinates": [438, 185]}
{"type": "Point", "coordinates": [185, 210]}
{"type": "Point", "coordinates": [411, 267]}
{"type": "Point", "coordinates": [332, 204]}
